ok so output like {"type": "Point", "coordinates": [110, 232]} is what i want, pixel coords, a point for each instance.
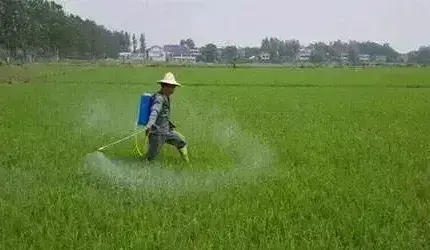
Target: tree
{"type": "Point", "coordinates": [123, 41]}
{"type": "Point", "coordinates": [11, 21]}
{"type": "Point", "coordinates": [229, 54]}
{"type": "Point", "coordinates": [279, 50]}
{"type": "Point", "coordinates": [210, 53]}
{"type": "Point", "coordinates": [40, 27]}
{"type": "Point", "coordinates": [265, 45]}
{"type": "Point", "coordinates": [317, 56]}
{"type": "Point", "coordinates": [291, 49]}
{"type": "Point", "coordinates": [353, 55]}
{"type": "Point", "coordinates": [127, 42]}
{"type": "Point", "coordinates": [142, 47]}
{"type": "Point", "coordinates": [134, 43]}
{"type": "Point", "coordinates": [321, 52]}
{"type": "Point", "coordinates": [187, 42]}
{"type": "Point", "coordinates": [275, 48]}
{"type": "Point", "coordinates": [374, 49]}
{"type": "Point", "coordinates": [251, 51]}
{"type": "Point", "coordinates": [353, 52]}
{"type": "Point", "coordinates": [423, 55]}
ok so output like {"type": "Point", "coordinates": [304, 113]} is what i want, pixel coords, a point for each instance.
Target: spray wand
{"type": "Point", "coordinates": [120, 140]}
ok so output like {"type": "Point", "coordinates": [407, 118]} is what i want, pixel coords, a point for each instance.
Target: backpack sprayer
{"type": "Point", "coordinates": [146, 101]}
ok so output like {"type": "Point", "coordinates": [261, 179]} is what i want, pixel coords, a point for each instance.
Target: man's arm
{"type": "Point", "coordinates": [155, 110]}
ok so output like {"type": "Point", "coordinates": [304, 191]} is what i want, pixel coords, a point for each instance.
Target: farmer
{"type": "Point", "coordinates": [159, 128]}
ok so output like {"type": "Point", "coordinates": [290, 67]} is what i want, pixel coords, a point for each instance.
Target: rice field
{"type": "Point", "coordinates": [280, 159]}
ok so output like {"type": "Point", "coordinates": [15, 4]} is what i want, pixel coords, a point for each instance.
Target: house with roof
{"type": "Point", "coordinates": [179, 53]}
{"type": "Point", "coordinates": [364, 57]}
{"type": "Point", "coordinates": [380, 58]}
{"type": "Point", "coordinates": [125, 55]}
{"type": "Point", "coordinates": [304, 54]}
{"type": "Point", "coordinates": [156, 53]}
{"type": "Point", "coordinates": [195, 52]}
{"type": "Point", "coordinates": [265, 56]}
{"type": "Point", "coordinates": [344, 57]}
{"type": "Point", "coordinates": [130, 56]}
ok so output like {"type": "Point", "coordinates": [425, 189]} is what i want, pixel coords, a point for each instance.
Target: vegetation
{"type": "Point", "coordinates": [281, 158]}
{"type": "Point", "coordinates": [42, 28]}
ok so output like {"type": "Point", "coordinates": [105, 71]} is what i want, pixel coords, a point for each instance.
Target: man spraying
{"type": "Point", "coordinates": [159, 128]}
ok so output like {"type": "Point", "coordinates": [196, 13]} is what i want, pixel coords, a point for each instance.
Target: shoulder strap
{"type": "Point", "coordinates": [151, 99]}
{"type": "Point", "coordinates": [165, 98]}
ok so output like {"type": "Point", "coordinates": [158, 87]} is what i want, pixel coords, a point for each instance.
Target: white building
{"type": "Point", "coordinates": [194, 52]}
{"type": "Point", "coordinates": [304, 54]}
{"type": "Point", "coordinates": [125, 55]}
{"type": "Point", "coordinates": [364, 57]}
{"type": "Point", "coordinates": [156, 53]}
{"type": "Point", "coordinates": [130, 56]}
{"type": "Point", "coordinates": [380, 58]}
{"type": "Point", "coordinates": [265, 56]}
{"type": "Point", "coordinates": [344, 57]}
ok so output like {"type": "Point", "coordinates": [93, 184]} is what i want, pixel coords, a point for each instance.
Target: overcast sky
{"type": "Point", "coordinates": [402, 23]}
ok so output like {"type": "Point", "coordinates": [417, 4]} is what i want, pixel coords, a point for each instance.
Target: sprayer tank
{"type": "Point", "coordinates": [144, 109]}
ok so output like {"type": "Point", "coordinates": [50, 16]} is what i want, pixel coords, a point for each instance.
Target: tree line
{"type": "Point", "coordinates": [32, 28]}
{"type": "Point", "coordinates": [283, 51]}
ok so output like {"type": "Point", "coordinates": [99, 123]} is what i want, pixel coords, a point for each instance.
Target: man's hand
{"type": "Point", "coordinates": [148, 129]}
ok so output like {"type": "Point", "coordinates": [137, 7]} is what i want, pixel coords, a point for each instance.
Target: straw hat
{"type": "Point", "coordinates": [169, 78]}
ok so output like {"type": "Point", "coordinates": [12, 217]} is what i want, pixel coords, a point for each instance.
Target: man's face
{"type": "Point", "coordinates": [168, 89]}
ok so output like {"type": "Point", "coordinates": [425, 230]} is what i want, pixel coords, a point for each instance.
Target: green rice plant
{"type": "Point", "coordinates": [280, 159]}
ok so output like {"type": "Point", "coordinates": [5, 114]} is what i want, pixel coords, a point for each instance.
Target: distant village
{"type": "Point", "coordinates": [164, 53]}
{"type": "Point", "coordinates": [176, 53]}
{"type": "Point", "coordinates": [183, 54]}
